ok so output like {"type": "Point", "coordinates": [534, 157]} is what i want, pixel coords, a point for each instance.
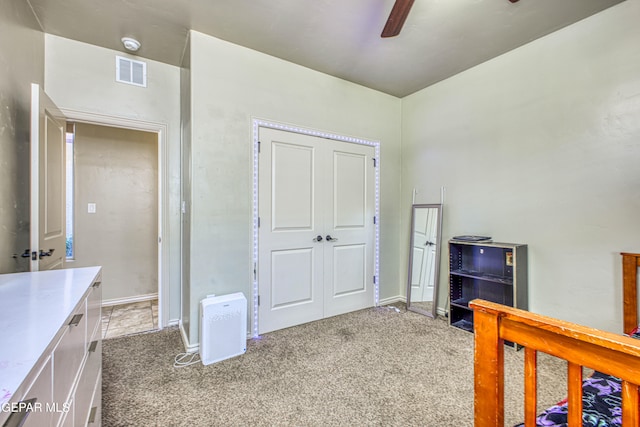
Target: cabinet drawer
{"type": "Point", "coordinates": [38, 400]}
{"type": "Point", "coordinates": [95, 412]}
{"type": "Point", "coordinates": [67, 419]}
{"type": "Point", "coordinates": [94, 307]}
{"type": "Point", "coordinates": [87, 383]}
{"type": "Point", "coordinates": [68, 354]}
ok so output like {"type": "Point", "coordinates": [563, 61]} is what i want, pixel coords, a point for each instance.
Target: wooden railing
{"type": "Point", "coordinates": [606, 352]}
{"type": "Point", "coordinates": [630, 264]}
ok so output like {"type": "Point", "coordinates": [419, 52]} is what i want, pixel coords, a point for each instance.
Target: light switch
{"type": "Point", "coordinates": [91, 208]}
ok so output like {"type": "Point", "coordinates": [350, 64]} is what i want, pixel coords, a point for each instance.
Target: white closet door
{"type": "Point", "coordinates": [313, 191]}
{"type": "Point", "coordinates": [350, 208]}
{"type": "Point", "coordinates": [291, 261]}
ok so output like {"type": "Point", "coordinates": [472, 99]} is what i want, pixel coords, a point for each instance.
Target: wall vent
{"type": "Point", "coordinates": [131, 72]}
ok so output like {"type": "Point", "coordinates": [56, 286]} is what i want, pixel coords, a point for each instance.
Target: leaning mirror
{"type": "Point", "coordinates": [424, 259]}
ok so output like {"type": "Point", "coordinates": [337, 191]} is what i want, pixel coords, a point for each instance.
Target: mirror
{"type": "Point", "coordinates": [424, 259]}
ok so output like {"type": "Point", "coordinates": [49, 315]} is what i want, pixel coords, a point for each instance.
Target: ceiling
{"type": "Point", "coordinates": [338, 37]}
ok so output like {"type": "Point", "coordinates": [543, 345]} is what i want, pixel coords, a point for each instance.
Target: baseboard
{"type": "Point", "coordinates": [129, 300]}
{"type": "Point", "coordinates": [398, 298]}
{"type": "Point", "coordinates": [189, 348]}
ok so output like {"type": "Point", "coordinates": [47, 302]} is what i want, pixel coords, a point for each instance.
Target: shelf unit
{"type": "Point", "coordinates": [492, 271]}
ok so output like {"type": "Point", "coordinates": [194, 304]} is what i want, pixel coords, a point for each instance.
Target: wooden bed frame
{"type": "Point", "coordinates": [580, 346]}
{"type": "Point", "coordinates": [630, 264]}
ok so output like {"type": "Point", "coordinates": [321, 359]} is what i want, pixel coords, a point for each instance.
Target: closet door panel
{"type": "Point", "coordinates": [349, 221]}
{"type": "Point", "coordinates": [290, 257]}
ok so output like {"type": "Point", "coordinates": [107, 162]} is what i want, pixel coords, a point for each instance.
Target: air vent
{"type": "Point", "coordinates": [131, 72]}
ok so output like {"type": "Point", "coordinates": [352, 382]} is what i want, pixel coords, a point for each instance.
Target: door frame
{"type": "Point", "coordinates": [260, 123]}
{"type": "Point", "coordinates": [161, 129]}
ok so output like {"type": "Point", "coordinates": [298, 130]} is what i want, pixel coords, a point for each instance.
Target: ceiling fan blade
{"type": "Point", "coordinates": [397, 17]}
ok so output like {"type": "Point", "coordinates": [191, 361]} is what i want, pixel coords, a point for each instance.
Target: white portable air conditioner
{"type": "Point", "coordinates": [223, 327]}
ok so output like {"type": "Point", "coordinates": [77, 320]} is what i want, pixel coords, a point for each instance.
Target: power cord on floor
{"type": "Point", "coordinates": [186, 359]}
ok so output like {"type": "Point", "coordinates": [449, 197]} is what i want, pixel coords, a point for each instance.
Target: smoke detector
{"type": "Point", "coordinates": [130, 44]}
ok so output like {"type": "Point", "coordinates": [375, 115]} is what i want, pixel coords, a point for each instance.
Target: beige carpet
{"type": "Point", "coordinates": [372, 367]}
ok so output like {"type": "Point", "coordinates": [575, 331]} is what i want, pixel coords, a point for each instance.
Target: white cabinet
{"type": "Point", "coordinates": [69, 353]}
{"type": "Point", "coordinates": [39, 395]}
{"type": "Point", "coordinates": [86, 375]}
{"type": "Point", "coordinates": [62, 386]}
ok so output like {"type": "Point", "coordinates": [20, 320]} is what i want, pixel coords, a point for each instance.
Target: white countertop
{"type": "Point", "coordinates": [33, 308]}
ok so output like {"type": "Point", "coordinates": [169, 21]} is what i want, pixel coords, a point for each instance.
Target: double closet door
{"type": "Point", "coordinates": [316, 234]}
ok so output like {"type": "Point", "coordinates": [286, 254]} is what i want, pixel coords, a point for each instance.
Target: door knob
{"type": "Point", "coordinates": [44, 254]}
{"type": "Point", "coordinates": [429, 243]}
{"type": "Point", "coordinates": [331, 239]}
{"type": "Point", "coordinates": [317, 239]}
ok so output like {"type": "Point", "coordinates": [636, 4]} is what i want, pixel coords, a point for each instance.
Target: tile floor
{"type": "Point", "coordinates": [128, 319]}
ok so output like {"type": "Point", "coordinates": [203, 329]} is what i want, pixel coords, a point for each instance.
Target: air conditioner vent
{"type": "Point", "coordinates": [131, 72]}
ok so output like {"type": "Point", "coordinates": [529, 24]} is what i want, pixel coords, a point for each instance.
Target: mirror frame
{"type": "Point", "coordinates": [436, 281]}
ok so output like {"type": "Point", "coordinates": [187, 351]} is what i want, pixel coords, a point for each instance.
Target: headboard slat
{"type": "Point", "coordinates": [530, 386]}
{"type": "Point", "coordinates": [630, 264]}
{"type": "Point", "coordinates": [574, 382]}
{"type": "Point", "coordinates": [630, 415]}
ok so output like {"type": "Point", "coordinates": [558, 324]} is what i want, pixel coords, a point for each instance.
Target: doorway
{"type": "Point", "coordinates": [318, 226]}
{"type": "Point", "coordinates": [116, 209]}
{"type": "Point", "coordinates": [160, 131]}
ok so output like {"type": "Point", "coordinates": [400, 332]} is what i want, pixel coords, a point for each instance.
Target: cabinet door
{"type": "Point", "coordinates": [68, 419]}
{"type": "Point", "coordinates": [68, 354]}
{"type": "Point", "coordinates": [94, 302]}
{"type": "Point", "coordinates": [41, 391]}
{"type": "Point", "coordinates": [87, 382]}
{"type": "Point", "coordinates": [95, 412]}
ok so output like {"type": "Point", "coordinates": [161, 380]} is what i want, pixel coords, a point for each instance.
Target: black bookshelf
{"type": "Point", "coordinates": [495, 272]}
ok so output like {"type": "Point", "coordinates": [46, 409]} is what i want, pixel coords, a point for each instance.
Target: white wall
{"type": "Point", "coordinates": [230, 85]}
{"type": "Point", "coordinates": [185, 119]}
{"type": "Point", "coordinates": [81, 77]}
{"type": "Point", "coordinates": [541, 146]}
{"type": "Point", "coordinates": [21, 63]}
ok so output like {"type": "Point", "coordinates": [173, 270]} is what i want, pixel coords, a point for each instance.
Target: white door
{"type": "Point", "coordinates": [419, 255]}
{"type": "Point", "coordinates": [348, 220]}
{"type": "Point", "coordinates": [424, 250]}
{"type": "Point", "coordinates": [316, 208]}
{"type": "Point", "coordinates": [47, 233]}
{"type": "Point", "coordinates": [291, 238]}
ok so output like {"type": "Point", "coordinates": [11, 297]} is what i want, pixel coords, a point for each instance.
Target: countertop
{"type": "Point", "coordinates": [33, 308]}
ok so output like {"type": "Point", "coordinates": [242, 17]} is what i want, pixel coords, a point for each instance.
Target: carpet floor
{"type": "Point", "coordinates": [374, 367]}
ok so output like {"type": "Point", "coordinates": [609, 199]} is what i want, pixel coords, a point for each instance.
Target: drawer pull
{"type": "Point", "coordinates": [16, 419]}
{"type": "Point", "coordinates": [96, 284]}
{"type": "Point", "coordinates": [75, 320]}
{"type": "Point", "coordinates": [92, 346]}
{"type": "Point", "coordinates": [92, 415]}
